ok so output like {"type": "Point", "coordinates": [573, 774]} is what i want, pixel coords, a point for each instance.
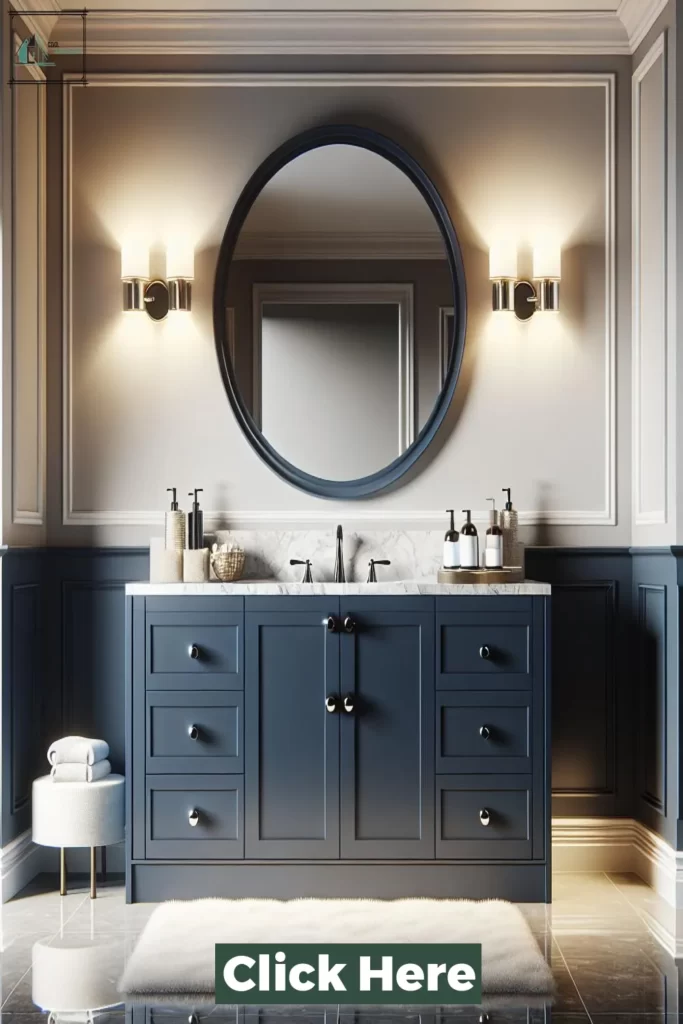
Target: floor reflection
{"type": "Point", "coordinates": [608, 940]}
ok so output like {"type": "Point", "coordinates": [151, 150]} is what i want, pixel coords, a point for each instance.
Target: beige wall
{"type": "Point", "coordinates": [543, 408]}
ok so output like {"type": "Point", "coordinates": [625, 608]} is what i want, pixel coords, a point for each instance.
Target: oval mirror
{"type": "Point", "coordinates": [339, 311]}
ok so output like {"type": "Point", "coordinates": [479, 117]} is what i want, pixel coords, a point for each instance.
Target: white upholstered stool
{"type": "Point", "coordinates": [78, 814]}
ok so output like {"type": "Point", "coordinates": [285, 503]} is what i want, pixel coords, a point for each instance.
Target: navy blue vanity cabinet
{"type": "Point", "coordinates": [292, 737]}
{"type": "Point", "coordinates": [355, 746]}
{"type": "Point", "coordinates": [387, 734]}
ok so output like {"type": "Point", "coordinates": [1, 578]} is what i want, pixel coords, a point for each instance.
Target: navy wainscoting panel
{"type": "Point", "coordinates": [616, 666]}
{"type": "Point", "coordinates": [88, 640]}
{"type": "Point", "coordinates": [24, 697]}
{"type": "Point", "coordinates": [592, 678]}
{"type": "Point", "coordinates": [656, 660]}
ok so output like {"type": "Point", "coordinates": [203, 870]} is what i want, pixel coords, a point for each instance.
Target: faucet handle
{"type": "Point", "coordinates": [372, 575]}
{"type": "Point", "coordinates": [308, 575]}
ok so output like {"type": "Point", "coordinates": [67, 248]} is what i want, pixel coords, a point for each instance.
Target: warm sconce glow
{"type": "Point", "coordinates": [157, 297]}
{"type": "Point", "coordinates": [520, 297]}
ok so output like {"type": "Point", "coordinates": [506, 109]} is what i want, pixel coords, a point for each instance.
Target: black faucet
{"type": "Point", "coordinates": [339, 574]}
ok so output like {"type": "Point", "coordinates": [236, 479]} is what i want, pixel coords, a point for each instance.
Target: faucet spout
{"type": "Point", "coordinates": [339, 574]}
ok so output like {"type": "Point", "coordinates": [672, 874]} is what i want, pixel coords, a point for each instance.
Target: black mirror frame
{"type": "Point", "coordinates": [366, 139]}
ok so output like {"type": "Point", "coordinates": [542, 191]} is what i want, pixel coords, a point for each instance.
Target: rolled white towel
{"type": "Point", "coordinates": [73, 772]}
{"type": "Point", "coordinates": [77, 750]}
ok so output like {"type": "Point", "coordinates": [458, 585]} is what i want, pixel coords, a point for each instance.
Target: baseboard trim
{"type": "Point", "coordinates": [619, 844]}
{"type": "Point", "coordinates": [20, 862]}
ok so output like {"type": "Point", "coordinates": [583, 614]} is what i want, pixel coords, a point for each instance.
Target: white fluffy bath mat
{"type": "Point", "coordinates": [175, 953]}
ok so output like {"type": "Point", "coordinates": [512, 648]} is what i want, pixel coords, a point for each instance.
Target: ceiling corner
{"type": "Point", "coordinates": [638, 17]}
{"type": "Point", "coordinates": [37, 15]}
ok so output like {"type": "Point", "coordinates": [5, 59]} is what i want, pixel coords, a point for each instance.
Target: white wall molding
{"type": "Point", "coordinates": [654, 512]}
{"type": "Point", "coordinates": [638, 17]}
{"type": "Point", "coordinates": [606, 516]}
{"type": "Point", "coordinates": [39, 16]}
{"type": "Point", "coordinates": [34, 514]}
{"type": "Point", "coordinates": [351, 32]}
{"type": "Point", "coordinates": [20, 861]}
{"type": "Point", "coordinates": [619, 844]}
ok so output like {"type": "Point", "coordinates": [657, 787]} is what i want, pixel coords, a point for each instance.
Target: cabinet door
{"type": "Point", "coordinates": [291, 740]}
{"type": "Point", "coordinates": [387, 740]}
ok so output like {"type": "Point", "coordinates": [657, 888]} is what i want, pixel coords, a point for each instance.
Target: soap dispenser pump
{"type": "Point", "coordinates": [195, 523]}
{"type": "Point", "coordinates": [174, 525]}
{"type": "Point", "coordinates": [493, 552]}
{"type": "Point", "coordinates": [469, 543]}
{"type": "Point", "coordinates": [451, 547]}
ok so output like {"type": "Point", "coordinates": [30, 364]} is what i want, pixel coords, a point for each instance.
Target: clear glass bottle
{"type": "Point", "coordinates": [493, 552]}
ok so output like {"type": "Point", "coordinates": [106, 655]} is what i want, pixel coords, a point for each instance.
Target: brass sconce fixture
{"type": "Point", "coordinates": [156, 297]}
{"type": "Point", "coordinates": [521, 297]}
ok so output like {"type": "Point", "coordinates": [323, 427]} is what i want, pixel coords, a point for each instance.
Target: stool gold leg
{"type": "Point", "coordinates": [62, 871]}
{"type": "Point", "coordinates": [93, 872]}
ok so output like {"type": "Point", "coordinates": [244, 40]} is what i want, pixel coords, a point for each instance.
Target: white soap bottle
{"type": "Point", "coordinates": [469, 543]}
{"type": "Point", "coordinates": [493, 552]}
{"type": "Point", "coordinates": [451, 546]}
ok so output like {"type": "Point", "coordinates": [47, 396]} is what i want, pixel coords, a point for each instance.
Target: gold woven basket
{"type": "Point", "coordinates": [228, 565]}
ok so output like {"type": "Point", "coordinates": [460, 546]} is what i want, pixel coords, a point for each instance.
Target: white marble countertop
{"type": "Point", "coordinates": [266, 588]}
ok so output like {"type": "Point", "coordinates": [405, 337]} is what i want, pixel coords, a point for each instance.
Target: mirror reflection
{"type": "Point", "coordinates": [339, 311]}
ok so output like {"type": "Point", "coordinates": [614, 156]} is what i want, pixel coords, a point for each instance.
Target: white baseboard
{"type": "Point", "coordinates": [20, 861]}
{"type": "Point", "coordinates": [619, 844]}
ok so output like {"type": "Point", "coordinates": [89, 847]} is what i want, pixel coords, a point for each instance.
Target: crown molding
{"type": "Point", "coordinates": [37, 15]}
{"type": "Point", "coordinates": [351, 32]}
{"type": "Point", "coordinates": [638, 17]}
{"type": "Point", "coordinates": [318, 245]}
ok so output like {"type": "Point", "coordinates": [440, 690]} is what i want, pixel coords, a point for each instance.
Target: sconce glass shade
{"type": "Point", "coordinates": [180, 262]}
{"type": "Point", "coordinates": [547, 263]}
{"type": "Point", "coordinates": [179, 294]}
{"type": "Point", "coordinates": [502, 262]}
{"type": "Point", "coordinates": [134, 262]}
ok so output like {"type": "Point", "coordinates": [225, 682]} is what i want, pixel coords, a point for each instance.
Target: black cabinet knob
{"type": "Point", "coordinates": [331, 624]}
{"type": "Point", "coordinates": [193, 651]}
{"type": "Point", "coordinates": [193, 732]}
{"type": "Point", "coordinates": [349, 703]}
{"type": "Point", "coordinates": [484, 816]}
{"type": "Point", "coordinates": [485, 732]}
{"type": "Point", "coordinates": [332, 703]}
{"type": "Point", "coordinates": [485, 652]}
{"type": "Point", "coordinates": [349, 624]}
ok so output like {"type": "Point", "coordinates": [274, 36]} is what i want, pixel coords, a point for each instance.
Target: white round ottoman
{"type": "Point", "coordinates": [78, 814]}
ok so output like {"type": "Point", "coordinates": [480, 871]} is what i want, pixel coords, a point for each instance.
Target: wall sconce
{"type": "Point", "coordinates": [156, 297]}
{"type": "Point", "coordinates": [524, 298]}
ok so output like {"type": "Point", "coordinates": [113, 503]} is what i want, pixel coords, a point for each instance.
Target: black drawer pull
{"type": "Point", "coordinates": [193, 817]}
{"type": "Point", "coordinates": [193, 651]}
{"type": "Point", "coordinates": [332, 703]}
{"type": "Point", "coordinates": [485, 732]}
{"type": "Point", "coordinates": [485, 652]}
{"type": "Point", "coordinates": [331, 623]}
{"type": "Point", "coordinates": [348, 703]}
{"type": "Point", "coordinates": [193, 732]}
{"type": "Point", "coordinates": [349, 624]}
{"type": "Point", "coordinates": [484, 816]}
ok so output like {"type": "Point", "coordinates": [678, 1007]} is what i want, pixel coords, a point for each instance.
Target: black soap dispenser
{"type": "Point", "coordinates": [469, 543]}
{"type": "Point", "coordinates": [195, 523]}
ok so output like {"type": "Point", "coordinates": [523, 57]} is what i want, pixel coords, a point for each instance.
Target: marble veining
{"type": "Point", "coordinates": [397, 587]}
{"type": "Point", "coordinates": [414, 554]}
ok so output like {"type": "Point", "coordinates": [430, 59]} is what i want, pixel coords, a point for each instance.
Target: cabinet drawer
{"type": "Point", "coordinates": [217, 802]}
{"type": "Point", "coordinates": [194, 731]}
{"type": "Point", "coordinates": [485, 731]}
{"type": "Point", "coordinates": [464, 804]}
{"type": "Point", "coordinates": [186, 649]}
{"type": "Point", "coordinates": [483, 651]}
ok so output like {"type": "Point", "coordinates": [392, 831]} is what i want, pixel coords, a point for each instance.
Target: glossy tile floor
{"type": "Point", "coordinates": [603, 936]}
